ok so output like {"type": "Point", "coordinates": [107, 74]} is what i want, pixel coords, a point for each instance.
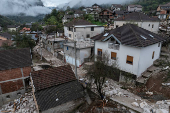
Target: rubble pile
{"type": "Point", "coordinates": [24, 104]}
{"type": "Point", "coordinates": [112, 89]}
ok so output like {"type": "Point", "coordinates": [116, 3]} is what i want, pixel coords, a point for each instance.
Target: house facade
{"type": "Point", "coordinates": [134, 8]}
{"type": "Point", "coordinates": [140, 19]}
{"type": "Point", "coordinates": [11, 28]}
{"type": "Point", "coordinates": [106, 16]}
{"type": "Point", "coordinates": [80, 29]}
{"type": "Point", "coordinates": [14, 73]}
{"type": "Point", "coordinates": [133, 49]}
{"type": "Point", "coordinates": [163, 11]}
{"type": "Point", "coordinates": [83, 50]}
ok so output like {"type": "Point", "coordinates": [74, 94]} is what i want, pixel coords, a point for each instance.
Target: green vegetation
{"type": "Point", "coordinates": [4, 21]}
{"type": "Point", "coordinates": [36, 26]}
{"type": "Point", "coordinates": [23, 41]}
{"type": "Point", "coordinates": [55, 18]}
{"type": "Point", "coordinates": [90, 18]}
{"type": "Point", "coordinates": [26, 19]}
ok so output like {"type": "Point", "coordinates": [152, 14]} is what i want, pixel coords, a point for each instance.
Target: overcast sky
{"type": "Point", "coordinates": [54, 3]}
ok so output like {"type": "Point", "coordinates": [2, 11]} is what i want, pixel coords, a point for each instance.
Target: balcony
{"type": "Point", "coordinates": [113, 46]}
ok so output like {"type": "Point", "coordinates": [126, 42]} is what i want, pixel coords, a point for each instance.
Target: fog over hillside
{"type": "Point", "coordinates": [26, 7]}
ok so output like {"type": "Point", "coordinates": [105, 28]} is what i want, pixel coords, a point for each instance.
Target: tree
{"type": "Point", "coordinates": [102, 68]}
{"type": "Point", "coordinates": [23, 41]}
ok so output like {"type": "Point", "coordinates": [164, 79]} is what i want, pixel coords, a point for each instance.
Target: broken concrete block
{"type": "Point", "coordinates": [146, 110]}
{"type": "Point", "coordinates": [161, 111]}
{"type": "Point", "coordinates": [135, 104]}
{"type": "Point", "coordinates": [120, 94]}
{"type": "Point", "coordinates": [143, 104]}
{"type": "Point", "coordinates": [149, 93]}
{"type": "Point", "coordinates": [160, 102]}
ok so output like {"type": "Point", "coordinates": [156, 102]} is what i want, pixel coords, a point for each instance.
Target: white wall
{"type": "Point", "coordinates": [146, 57]}
{"type": "Point", "coordinates": [84, 53]}
{"type": "Point", "coordinates": [81, 32]}
{"type": "Point", "coordinates": [144, 25]}
{"type": "Point", "coordinates": [134, 9]}
{"type": "Point", "coordinates": [142, 57]}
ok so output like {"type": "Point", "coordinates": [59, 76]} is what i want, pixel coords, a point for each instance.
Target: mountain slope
{"type": "Point", "coordinates": [4, 21]}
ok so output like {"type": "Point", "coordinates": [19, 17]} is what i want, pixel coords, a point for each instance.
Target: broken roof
{"type": "Point", "coordinates": [137, 16]}
{"type": "Point", "coordinates": [52, 77]}
{"type": "Point", "coordinates": [15, 58]}
{"type": "Point", "coordinates": [131, 35]}
{"type": "Point", "coordinates": [78, 22]}
{"type": "Point", "coordinates": [57, 95]}
{"type": "Point", "coordinates": [55, 86]}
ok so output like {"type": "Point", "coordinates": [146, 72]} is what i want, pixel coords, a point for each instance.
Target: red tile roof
{"type": "Point", "coordinates": [52, 77]}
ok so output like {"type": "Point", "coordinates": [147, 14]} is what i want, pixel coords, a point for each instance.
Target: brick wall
{"type": "Point", "coordinates": [13, 74]}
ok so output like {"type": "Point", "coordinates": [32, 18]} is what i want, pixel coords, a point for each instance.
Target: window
{"type": "Point", "coordinates": [74, 29]}
{"type": "Point", "coordinates": [129, 60]}
{"type": "Point", "coordinates": [149, 25]}
{"type": "Point", "coordinates": [69, 29]}
{"type": "Point", "coordinates": [159, 44]}
{"type": "Point", "coordinates": [117, 26]}
{"type": "Point", "coordinates": [113, 55]}
{"type": "Point", "coordinates": [51, 44]}
{"type": "Point", "coordinates": [92, 28]}
{"type": "Point", "coordinates": [107, 12]}
{"type": "Point", "coordinates": [99, 52]}
{"type": "Point", "coordinates": [153, 54]}
{"type": "Point", "coordinates": [67, 47]}
{"type": "Point", "coordinates": [88, 36]}
{"type": "Point", "coordinates": [69, 35]}
{"type": "Point", "coordinates": [152, 25]}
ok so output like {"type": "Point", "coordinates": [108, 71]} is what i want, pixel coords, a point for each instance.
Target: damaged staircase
{"type": "Point", "coordinates": [151, 70]}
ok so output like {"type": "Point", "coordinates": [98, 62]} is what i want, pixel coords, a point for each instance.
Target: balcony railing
{"type": "Point", "coordinates": [114, 46]}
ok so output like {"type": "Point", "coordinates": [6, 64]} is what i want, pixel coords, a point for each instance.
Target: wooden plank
{"type": "Point", "coordinates": [14, 79]}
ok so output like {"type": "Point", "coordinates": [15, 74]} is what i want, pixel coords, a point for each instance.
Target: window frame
{"type": "Point", "coordinates": [92, 28]}
{"type": "Point", "coordinates": [99, 50]}
{"type": "Point", "coordinates": [153, 54]}
{"type": "Point", "coordinates": [128, 61]}
{"type": "Point", "coordinates": [113, 54]}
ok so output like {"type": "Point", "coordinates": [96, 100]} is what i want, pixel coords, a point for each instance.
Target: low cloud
{"type": "Point", "coordinates": [27, 7]}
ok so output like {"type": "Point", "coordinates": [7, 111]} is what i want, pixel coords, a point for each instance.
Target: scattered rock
{"type": "Point", "coordinates": [120, 94]}
{"type": "Point", "coordinates": [135, 104]}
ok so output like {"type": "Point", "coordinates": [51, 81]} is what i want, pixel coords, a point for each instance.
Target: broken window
{"type": "Point", "coordinates": [69, 35]}
{"type": "Point", "coordinates": [117, 26]}
{"type": "Point", "coordinates": [129, 60]}
{"type": "Point", "coordinates": [88, 36]}
{"type": "Point", "coordinates": [99, 52]}
{"type": "Point", "coordinates": [153, 54]}
{"type": "Point", "coordinates": [113, 55]}
{"type": "Point", "coordinates": [92, 28]}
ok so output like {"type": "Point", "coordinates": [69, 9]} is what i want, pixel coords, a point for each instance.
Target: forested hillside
{"type": "Point", "coordinates": [4, 21]}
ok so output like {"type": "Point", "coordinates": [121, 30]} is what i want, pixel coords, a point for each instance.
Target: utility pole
{"type": "Point", "coordinates": [40, 44]}
{"type": "Point", "coordinates": [75, 60]}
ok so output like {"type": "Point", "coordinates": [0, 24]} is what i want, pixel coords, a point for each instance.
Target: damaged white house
{"type": "Point", "coordinates": [134, 48]}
